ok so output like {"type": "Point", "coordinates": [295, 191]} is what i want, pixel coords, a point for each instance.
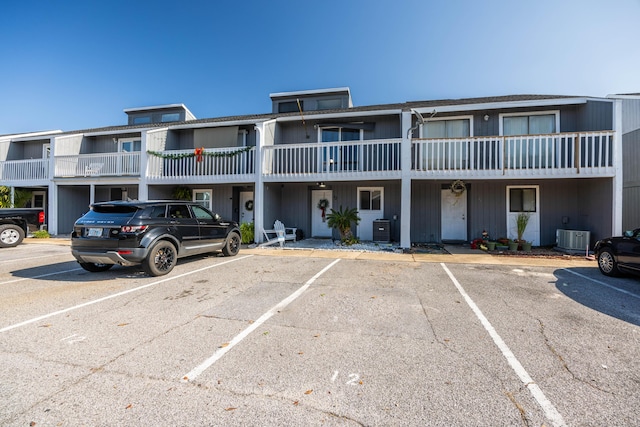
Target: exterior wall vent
{"type": "Point", "coordinates": [574, 240]}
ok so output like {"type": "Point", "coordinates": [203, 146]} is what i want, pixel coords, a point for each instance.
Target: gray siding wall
{"type": "Point", "coordinates": [102, 144]}
{"type": "Point", "coordinates": [296, 133]}
{"type": "Point", "coordinates": [631, 180]}
{"type": "Point", "coordinates": [585, 202]}
{"type": "Point", "coordinates": [631, 208]}
{"type": "Point", "coordinates": [630, 115]}
{"type": "Point", "coordinates": [73, 203]}
{"type": "Point", "coordinates": [291, 203]}
{"type": "Point", "coordinates": [25, 150]}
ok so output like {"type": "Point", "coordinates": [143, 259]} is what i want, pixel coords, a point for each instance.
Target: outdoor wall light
{"type": "Point", "coordinates": [486, 117]}
{"type": "Point", "coordinates": [321, 184]}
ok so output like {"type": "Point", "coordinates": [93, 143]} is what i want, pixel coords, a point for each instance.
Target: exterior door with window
{"type": "Point", "coordinates": [341, 157]}
{"type": "Point", "coordinates": [246, 207]}
{"type": "Point", "coordinates": [453, 210]}
{"type": "Point", "coordinates": [524, 199]}
{"type": "Point", "coordinates": [370, 208]}
{"type": "Point", "coordinates": [319, 227]}
{"type": "Point", "coordinates": [128, 165]}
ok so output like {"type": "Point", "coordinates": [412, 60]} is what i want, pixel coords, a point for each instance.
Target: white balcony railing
{"type": "Point", "coordinates": [333, 160]}
{"type": "Point", "coordinates": [24, 170]}
{"type": "Point", "coordinates": [95, 165]}
{"type": "Point", "coordinates": [213, 164]}
{"type": "Point", "coordinates": [525, 155]}
{"type": "Point", "coordinates": [564, 154]}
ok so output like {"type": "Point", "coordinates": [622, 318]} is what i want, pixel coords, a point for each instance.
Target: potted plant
{"type": "Point", "coordinates": [526, 246]}
{"type": "Point", "coordinates": [513, 245]}
{"type": "Point", "coordinates": [342, 220]}
{"type": "Point", "coordinates": [521, 223]}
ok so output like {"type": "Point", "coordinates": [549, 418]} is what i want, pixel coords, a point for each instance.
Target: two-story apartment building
{"type": "Point", "coordinates": [442, 170]}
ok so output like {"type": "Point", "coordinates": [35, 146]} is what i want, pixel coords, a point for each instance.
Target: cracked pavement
{"type": "Point", "coordinates": [370, 342]}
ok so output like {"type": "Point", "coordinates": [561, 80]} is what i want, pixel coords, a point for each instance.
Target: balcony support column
{"type": "Point", "coordinates": [617, 166]}
{"type": "Point", "coordinates": [405, 184]}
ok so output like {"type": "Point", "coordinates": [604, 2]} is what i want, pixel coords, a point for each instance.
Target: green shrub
{"type": "Point", "coordinates": [247, 229]}
{"type": "Point", "coordinates": [41, 234]}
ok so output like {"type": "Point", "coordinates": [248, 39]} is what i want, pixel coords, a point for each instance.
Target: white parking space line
{"type": "Point", "coordinates": [7, 261]}
{"type": "Point", "coordinates": [550, 411]}
{"type": "Point", "coordinates": [39, 276]}
{"type": "Point", "coordinates": [195, 372]}
{"type": "Point", "coordinates": [599, 282]}
{"type": "Point", "coordinates": [119, 294]}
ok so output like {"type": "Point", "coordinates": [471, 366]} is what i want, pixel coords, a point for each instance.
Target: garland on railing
{"type": "Point", "coordinates": [199, 153]}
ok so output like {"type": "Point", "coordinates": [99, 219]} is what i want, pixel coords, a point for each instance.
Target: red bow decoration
{"type": "Point", "coordinates": [198, 153]}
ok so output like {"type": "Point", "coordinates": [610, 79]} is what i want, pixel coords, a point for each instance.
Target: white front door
{"type": "Point", "coordinates": [246, 207]}
{"type": "Point", "coordinates": [319, 227]}
{"type": "Point", "coordinates": [371, 208]}
{"type": "Point", "coordinates": [524, 199]}
{"type": "Point", "coordinates": [454, 215]}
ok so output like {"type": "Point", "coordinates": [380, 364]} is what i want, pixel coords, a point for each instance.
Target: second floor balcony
{"type": "Point", "coordinates": [522, 156]}
{"type": "Point", "coordinates": [97, 165]}
{"type": "Point", "coordinates": [230, 164]}
{"type": "Point", "coordinates": [577, 154]}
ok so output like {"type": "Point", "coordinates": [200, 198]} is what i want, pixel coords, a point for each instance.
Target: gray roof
{"type": "Point", "coordinates": [398, 106]}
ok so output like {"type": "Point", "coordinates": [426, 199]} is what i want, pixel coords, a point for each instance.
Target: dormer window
{"type": "Point", "coordinates": [142, 120]}
{"type": "Point", "coordinates": [290, 106]}
{"type": "Point", "coordinates": [329, 104]}
{"type": "Point", "coordinates": [170, 117]}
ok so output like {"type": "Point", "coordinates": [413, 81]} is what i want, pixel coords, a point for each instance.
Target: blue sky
{"type": "Point", "coordinates": [74, 65]}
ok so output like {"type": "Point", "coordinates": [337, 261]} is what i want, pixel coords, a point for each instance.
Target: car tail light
{"type": "Point", "coordinates": [133, 228]}
{"type": "Point", "coordinates": [125, 252]}
{"type": "Point", "coordinates": [41, 217]}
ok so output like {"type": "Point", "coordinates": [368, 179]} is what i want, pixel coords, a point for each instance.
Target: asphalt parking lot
{"type": "Point", "coordinates": [271, 337]}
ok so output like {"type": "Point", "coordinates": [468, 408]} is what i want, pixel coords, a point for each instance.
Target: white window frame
{"type": "Point", "coordinates": [438, 155]}
{"type": "Point", "coordinates": [209, 191]}
{"type": "Point", "coordinates": [321, 128]}
{"type": "Point", "coordinates": [334, 157]}
{"type": "Point", "coordinates": [46, 151]}
{"type": "Point", "coordinates": [501, 117]}
{"type": "Point", "coordinates": [122, 141]}
{"type": "Point", "coordinates": [242, 133]}
{"type": "Point", "coordinates": [440, 119]}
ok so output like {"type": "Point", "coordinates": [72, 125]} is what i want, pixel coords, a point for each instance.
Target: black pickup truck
{"type": "Point", "coordinates": [16, 223]}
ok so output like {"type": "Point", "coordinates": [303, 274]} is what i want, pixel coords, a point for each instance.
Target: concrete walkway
{"type": "Point", "coordinates": [455, 254]}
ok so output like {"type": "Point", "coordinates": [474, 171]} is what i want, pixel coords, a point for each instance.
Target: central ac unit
{"type": "Point", "coordinates": [575, 240]}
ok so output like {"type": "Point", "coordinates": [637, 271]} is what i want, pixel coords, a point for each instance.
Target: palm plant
{"type": "Point", "coordinates": [342, 220]}
{"type": "Point", "coordinates": [20, 197]}
{"type": "Point", "coordinates": [521, 223]}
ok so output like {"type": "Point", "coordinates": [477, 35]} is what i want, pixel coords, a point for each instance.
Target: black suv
{"type": "Point", "coordinates": [152, 233]}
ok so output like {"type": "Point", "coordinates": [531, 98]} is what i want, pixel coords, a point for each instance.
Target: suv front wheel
{"type": "Point", "coordinates": [607, 263]}
{"type": "Point", "coordinates": [232, 245]}
{"type": "Point", "coordinates": [161, 259]}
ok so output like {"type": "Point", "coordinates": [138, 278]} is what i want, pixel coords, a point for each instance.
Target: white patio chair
{"type": "Point", "coordinates": [277, 235]}
{"type": "Point", "coordinates": [93, 169]}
